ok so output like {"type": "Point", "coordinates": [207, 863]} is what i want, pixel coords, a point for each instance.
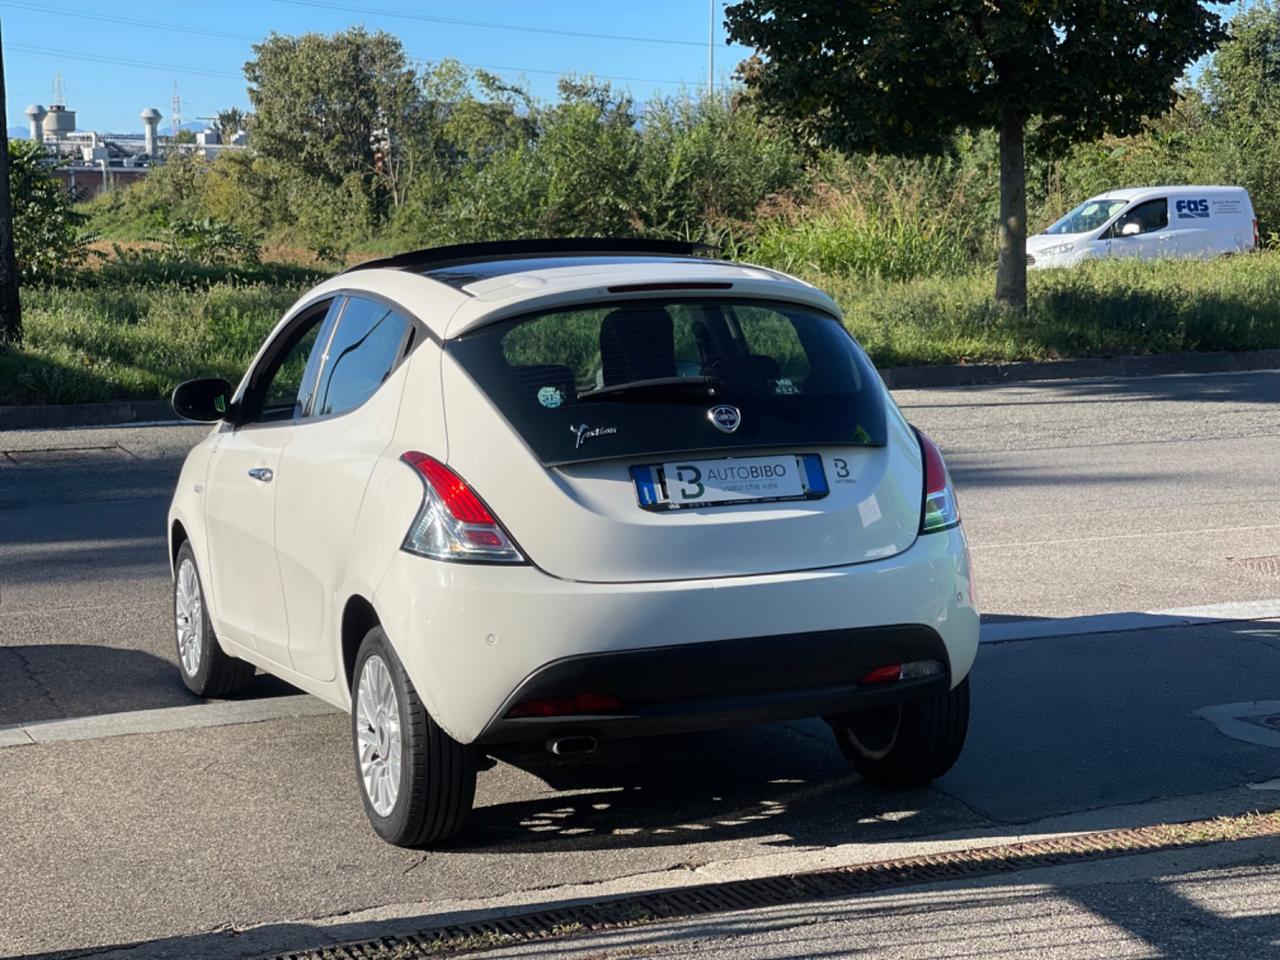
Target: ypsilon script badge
{"type": "Point", "coordinates": [725, 417]}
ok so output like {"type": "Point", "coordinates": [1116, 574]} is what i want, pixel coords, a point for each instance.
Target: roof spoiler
{"type": "Point", "coordinates": [516, 249]}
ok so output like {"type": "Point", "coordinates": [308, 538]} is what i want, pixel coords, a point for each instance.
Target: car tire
{"type": "Point", "coordinates": [907, 744]}
{"type": "Point", "coordinates": [416, 782]}
{"type": "Point", "coordinates": [207, 670]}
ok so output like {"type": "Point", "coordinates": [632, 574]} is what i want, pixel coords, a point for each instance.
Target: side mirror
{"type": "Point", "coordinates": [1131, 229]}
{"type": "Point", "coordinates": [206, 400]}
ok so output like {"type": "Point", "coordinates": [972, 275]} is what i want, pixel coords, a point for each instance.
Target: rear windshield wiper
{"type": "Point", "coordinates": [662, 388]}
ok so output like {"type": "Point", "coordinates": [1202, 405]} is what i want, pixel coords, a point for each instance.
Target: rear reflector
{"type": "Point", "coordinates": [884, 674]}
{"type": "Point", "coordinates": [912, 670]}
{"type": "Point", "coordinates": [579, 704]}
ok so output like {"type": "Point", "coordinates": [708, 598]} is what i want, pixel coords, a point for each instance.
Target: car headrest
{"type": "Point", "coordinates": [637, 344]}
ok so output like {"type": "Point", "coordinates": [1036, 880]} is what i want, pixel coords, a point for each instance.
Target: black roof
{"type": "Point", "coordinates": [453, 263]}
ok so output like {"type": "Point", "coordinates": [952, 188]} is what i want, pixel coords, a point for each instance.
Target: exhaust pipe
{"type": "Point", "coordinates": [574, 746]}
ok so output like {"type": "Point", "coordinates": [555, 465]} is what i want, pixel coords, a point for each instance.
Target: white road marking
{"type": "Point", "coordinates": [1145, 535]}
{"type": "Point", "coordinates": [1232, 720]}
{"type": "Point", "coordinates": [163, 719]}
{"type": "Point", "coordinates": [1037, 629]}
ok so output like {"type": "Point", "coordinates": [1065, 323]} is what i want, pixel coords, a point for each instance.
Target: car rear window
{"type": "Point", "coordinates": [640, 378]}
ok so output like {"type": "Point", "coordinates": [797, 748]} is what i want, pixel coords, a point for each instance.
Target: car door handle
{"type": "Point", "coordinates": [263, 474]}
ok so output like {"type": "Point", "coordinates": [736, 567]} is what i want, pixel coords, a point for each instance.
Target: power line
{"type": "Point", "coordinates": [120, 61]}
{"type": "Point", "coordinates": [486, 24]}
{"type": "Point", "coordinates": [128, 21]}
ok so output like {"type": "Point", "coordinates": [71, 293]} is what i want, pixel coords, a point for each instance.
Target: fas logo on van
{"type": "Point", "coordinates": [1192, 209]}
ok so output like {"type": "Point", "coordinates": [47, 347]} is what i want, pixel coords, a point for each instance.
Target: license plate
{"type": "Point", "coordinates": [696, 483]}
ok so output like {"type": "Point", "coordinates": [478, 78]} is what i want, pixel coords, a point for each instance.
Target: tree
{"type": "Point", "coordinates": [48, 242]}
{"type": "Point", "coordinates": [230, 122]}
{"type": "Point", "coordinates": [10, 306]}
{"type": "Point", "coordinates": [327, 107]}
{"type": "Point", "coordinates": [1241, 86]}
{"type": "Point", "coordinates": [903, 75]}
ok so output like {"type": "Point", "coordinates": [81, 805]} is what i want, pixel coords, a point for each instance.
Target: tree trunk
{"type": "Point", "coordinates": [1011, 241]}
{"type": "Point", "coordinates": [10, 308]}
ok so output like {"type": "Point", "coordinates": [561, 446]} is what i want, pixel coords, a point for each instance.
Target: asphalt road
{"type": "Point", "coordinates": [1079, 498]}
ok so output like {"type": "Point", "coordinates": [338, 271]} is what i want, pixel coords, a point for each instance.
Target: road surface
{"type": "Point", "coordinates": [1138, 498]}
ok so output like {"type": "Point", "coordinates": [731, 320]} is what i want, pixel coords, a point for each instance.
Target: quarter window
{"type": "Point", "coordinates": [369, 340]}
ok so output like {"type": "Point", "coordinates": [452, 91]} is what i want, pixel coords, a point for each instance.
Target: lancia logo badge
{"type": "Point", "coordinates": [725, 417]}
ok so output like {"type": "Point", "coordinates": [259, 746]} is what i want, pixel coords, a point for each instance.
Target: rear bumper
{"type": "Point", "coordinates": [474, 638]}
{"type": "Point", "coordinates": [725, 683]}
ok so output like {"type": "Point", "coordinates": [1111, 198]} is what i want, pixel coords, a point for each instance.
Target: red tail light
{"type": "Point", "coordinates": [453, 523]}
{"type": "Point", "coordinates": [940, 511]}
{"type": "Point", "coordinates": [582, 703]}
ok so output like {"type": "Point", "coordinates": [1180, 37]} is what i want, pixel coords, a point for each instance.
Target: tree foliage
{"type": "Point", "coordinates": [48, 237]}
{"type": "Point", "coordinates": [903, 75]}
{"type": "Point", "coordinates": [329, 107]}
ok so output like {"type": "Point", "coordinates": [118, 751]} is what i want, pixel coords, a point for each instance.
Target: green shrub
{"type": "Point", "coordinates": [48, 240]}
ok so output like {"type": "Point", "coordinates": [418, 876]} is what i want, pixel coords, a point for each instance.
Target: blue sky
{"type": "Point", "coordinates": [116, 59]}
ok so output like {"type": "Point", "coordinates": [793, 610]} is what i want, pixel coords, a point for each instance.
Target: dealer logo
{"type": "Point", "coordinates": [725, 418]}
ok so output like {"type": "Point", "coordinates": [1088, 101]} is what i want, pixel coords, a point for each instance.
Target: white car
{"type": "Point", "coordinates": [562, 491]}
{"type": "Point", "coordinates": [1148, 223]}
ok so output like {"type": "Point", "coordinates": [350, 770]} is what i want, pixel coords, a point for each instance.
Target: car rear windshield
{"type": "Point", "coordinates": [642, 378]}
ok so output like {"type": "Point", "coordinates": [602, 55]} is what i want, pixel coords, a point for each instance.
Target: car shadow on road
{"type": "Point", "coordinates": [54, 681]}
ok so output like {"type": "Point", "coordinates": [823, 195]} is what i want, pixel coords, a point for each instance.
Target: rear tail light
{"type": "Point", "coordinates": [940, 511]}
{"type": "Point", "coordinates": [453, 523]}
{"type": "Point", "coordinates": [581, 704]}
{"type": "Point", "coordinates": [913, 670]}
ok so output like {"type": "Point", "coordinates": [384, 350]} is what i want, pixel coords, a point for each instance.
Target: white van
{"type": "Point", "coordinates": [1149, 222]}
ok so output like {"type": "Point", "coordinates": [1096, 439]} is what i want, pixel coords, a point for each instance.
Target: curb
{"type": "Point", "coordinates": [1154, 365]}
{"type": "Point", "coordinates": [51, 415]}
{"type": "Point", "coordinates": [19, 417]}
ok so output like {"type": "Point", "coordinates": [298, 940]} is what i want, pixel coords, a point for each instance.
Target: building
{"type": "Point", "coordinates": [89, 161]}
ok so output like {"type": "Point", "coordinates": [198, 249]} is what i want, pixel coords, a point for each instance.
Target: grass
{"type": "Point", "coordinates": [132, 331]}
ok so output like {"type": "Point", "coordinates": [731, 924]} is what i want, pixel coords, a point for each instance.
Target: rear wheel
{"type": "Point", "coordinates": [906, 744]}
{"type": "Point", "coordinates": [416, 782]}
{"type": "Point", "coordinates": [206, 669]}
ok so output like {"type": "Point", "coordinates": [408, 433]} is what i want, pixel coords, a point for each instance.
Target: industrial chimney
{"type": "Point", "coordinates": [150, 123]}
{"type": "Point", "coordinates": [35, 116]}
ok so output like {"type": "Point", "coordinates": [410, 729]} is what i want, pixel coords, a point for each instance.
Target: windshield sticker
{"type": "Point", "coordinates": [583, 432]}
{"type": "Point", "coordinates": [784, 387]}
{"type": "Point", "coordinates": [550, 397]}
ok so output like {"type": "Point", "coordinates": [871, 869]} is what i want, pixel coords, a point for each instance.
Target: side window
{"type": "Point", "coordinates": [1150, 217]}
{"type": "Point", "coordinates": [281, 387]}
{"type": "Point", "coordinates": [369, 339]}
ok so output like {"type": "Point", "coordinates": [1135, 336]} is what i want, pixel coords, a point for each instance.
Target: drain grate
{"type": "Point", "coordinates": [1266, 566]}
{"type": "Point", "coordinates": [777, 891]}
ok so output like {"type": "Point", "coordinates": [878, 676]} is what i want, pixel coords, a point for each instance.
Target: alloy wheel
{"type": "Point", "coordinates": [378, 735]}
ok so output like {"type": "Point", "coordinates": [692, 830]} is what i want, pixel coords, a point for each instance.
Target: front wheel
{"type": "Point", "coordinates": [906, 744]}
{"type": "Point", "coordinates": [416, 782]}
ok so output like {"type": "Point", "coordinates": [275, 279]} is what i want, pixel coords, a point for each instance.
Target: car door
{"type": "Point", "coordinates": [1142, 232]}
{"type": "Point", "coordinates": [326, 467]}
{"type": "Point", "coordinates": [240, 489]}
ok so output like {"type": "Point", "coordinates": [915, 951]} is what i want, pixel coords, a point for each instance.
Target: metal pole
{"type": "Point", "coordinates": [711, 47]}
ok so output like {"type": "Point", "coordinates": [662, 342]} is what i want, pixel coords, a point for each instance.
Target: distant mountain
{"type": "Point", "coordinates": [18, 133]}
